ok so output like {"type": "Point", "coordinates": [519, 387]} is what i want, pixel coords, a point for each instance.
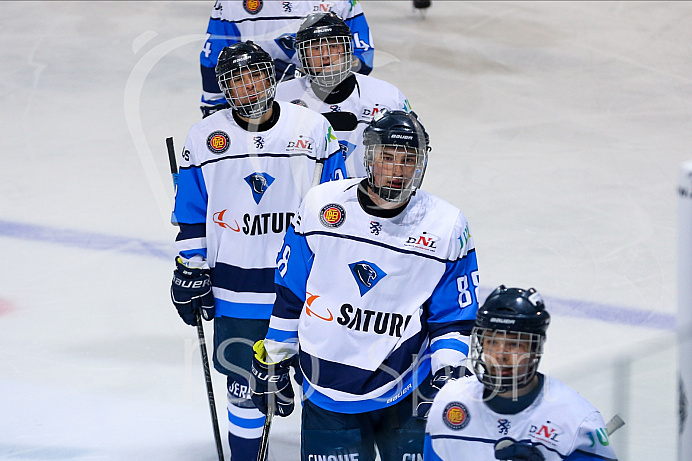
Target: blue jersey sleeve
{"type": "Point", "coordinates": [362, 43]}
{"type": "Point", "coordinates": [220, 34]}
{"type": "Point", "coordinates": [334, 165]}
{"type": "Point", "coordinates": [453, 305]}
{"type": "Point", "coordinates": [455, 299]}
{"type": "Point", "coordinates": [334, 168]}
{"type": "Point", "coordinates": [190, 212]}
{"type": "Point", "coordinates": [293, 265]}
{"type": "Point", "coordinates": [428, 451]}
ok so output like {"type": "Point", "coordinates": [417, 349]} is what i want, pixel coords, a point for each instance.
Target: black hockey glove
{"type": "Point", "coordinates": [509, 450]}
{"type": "Point", "coordinates": [441, 377]}
{"type": "Point", "coordinates": [271, 383]}
{"type": "Point", "coordinates": [208, 110]}
{"type": "Point", "coordinates": [191, 292]}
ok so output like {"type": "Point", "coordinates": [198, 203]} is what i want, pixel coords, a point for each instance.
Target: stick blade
{"type": "Point", "coordinates": [615, 423]}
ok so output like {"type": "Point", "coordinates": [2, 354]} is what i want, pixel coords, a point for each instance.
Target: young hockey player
{"type": "Point", "coordinates": [243, 173]}
{"type": "Point", "coordinates": [273, 26]}
{"type": "Point", "coordinates": [510, 411]}
{"type": "Point", "coordinates": [329, 86]}
{"type": "Point", "coordinates": [376, 292]}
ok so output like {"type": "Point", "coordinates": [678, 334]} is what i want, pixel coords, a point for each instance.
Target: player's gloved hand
{"type": "Point", "coordinates": [440, 378]}
{"type": "Point", "coordinates": [207, 110]}
{"type": "Point", "coordinates": [271, 383]}
{"type": "Point", "coordinates": [191, 292]}
{"type": "Point", "coordinates": [509, 450]}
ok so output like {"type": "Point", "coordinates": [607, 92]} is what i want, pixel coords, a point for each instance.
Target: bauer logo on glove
{"type": "Point", "coordinates": [191, 292]}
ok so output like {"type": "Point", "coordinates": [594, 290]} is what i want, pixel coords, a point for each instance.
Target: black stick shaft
{"type": "Point", "coordinates": [200, 329]}
{"type": "Point", "coordinates": [264, 442]}
{"type": "Point", "coordinates": [210, 387]}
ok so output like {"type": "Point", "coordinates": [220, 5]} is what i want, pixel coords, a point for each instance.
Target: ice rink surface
{"type": "Point", "coordinates": [557, 127]}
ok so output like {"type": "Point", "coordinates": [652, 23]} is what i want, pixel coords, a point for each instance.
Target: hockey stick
{"type": "Point", "coordinates": [317, 176]}
{"type": "Point", "coordinates": [614, 424]}
{"type": "Point", "coordinates": [200, 328]}
{"type": "Point", "coordinates": [264, 441]}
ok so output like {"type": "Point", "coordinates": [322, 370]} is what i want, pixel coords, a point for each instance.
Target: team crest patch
{"type": "Point", "coordinates": [218, 142]}
{"type": "Point", "coordinates": [259, 183]}
{"type": "Point", "coordinates": [253, 6]}
{"type": "Point", "coordinates": [456, 416]}
{"type": "Point", "coordinates": [299, 102]}
{"type": "Point", "coordinates": [332, 215]}
{"type": "Point", "coordinates": [366, 274]}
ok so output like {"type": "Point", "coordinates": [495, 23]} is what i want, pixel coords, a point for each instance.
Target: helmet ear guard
{"type": "Point", "coordinates": [508, 337]}
{"type": "Point", "coordinates": [236, 64]}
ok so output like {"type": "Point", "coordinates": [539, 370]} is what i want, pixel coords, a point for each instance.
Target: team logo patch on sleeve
{"type": "Point", "coordinates": [456, 416]}
{"type": "Point", "coordinates": [253, 6]}
{"type": "Point", "coordinates": [218, 142]}
{"type": "Point", "coordinates": [332, 215]}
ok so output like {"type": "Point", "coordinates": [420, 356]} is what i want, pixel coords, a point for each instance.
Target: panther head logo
{"type": "Point", "coordinates": [365, 273]}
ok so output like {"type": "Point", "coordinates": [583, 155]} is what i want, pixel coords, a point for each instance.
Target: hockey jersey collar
{"type": "Point", "coordinates": [338, 94]}
{"type": "Point", "coordinates": [276, 112]}
{"type": "Point", "coordinates": [373, 209]}
{"type": "Point", "coordinates": [512, 407]}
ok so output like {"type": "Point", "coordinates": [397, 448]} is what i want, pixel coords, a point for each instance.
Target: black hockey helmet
{"type": "Point", "coordinates": [512, 323]}
{"type": "Point", "coordinates": [395, 131]}
{"type": "Point", "coordinates": [514, 309]}
{"type": "Point", "coordinates": [320, 25]}
{"type": "Point", "coordinates": [249, 57]}
{"type": "Point", "coordinates": [318, 29]}
{"type": "Point", "coordinates": [396, 127]}
{"type": "Point", "coordinates": [241, 54]}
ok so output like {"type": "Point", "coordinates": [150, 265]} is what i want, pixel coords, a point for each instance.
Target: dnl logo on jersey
{"type": "Point", "coordinates": [367, 275]}
{"type": "Point", "coordinates": [259, 183]}
{"type": "Point", "coordinates": [424, 241]}
{"type": "Point", "coordinates": [302, 144]}
{"type": "Point", "coordinates": [547, 433]}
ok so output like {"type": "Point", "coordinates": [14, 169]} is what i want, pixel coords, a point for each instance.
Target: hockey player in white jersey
{"type": "Point", "coordinates": [243, 173]}
{"type": "Point", "coordinates": [329, 86]}
{"type": "Point", "coordinates": [376, 292]}
{"type": "Point", "coordinates": [510, 411]}
{"type": "Point", "coordinates": [273, 25]}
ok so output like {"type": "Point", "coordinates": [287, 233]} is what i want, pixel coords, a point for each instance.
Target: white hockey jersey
{"type": "Point", "coordinates": [273, 24]}
{"type": "Point", "coordinates": [375, 303]}
{"type": "Point", "coordinates": [369, 97]}
{"type": "Point", "coordinates": [560, 422]}
{"type": "Point", "coordinates": [237, 192]}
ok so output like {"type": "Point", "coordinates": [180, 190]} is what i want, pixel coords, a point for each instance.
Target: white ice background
{"type": "Point", "coordinates": [557, 127]}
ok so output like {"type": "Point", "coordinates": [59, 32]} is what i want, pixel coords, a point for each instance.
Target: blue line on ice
{"type": "Point", "coordinates": [95, 241]}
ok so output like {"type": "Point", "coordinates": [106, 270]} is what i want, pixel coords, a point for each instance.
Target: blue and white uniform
{"type": "Point", "coordinates": [368, 97]}
{"type": "Point", "coordinates": [237, 193]}
{"type": "Point", "coordinates": [273, 25]}
{"type": "Point", "coordinates": [559, 422]}
{"type": "Point", "coordinates": [375, 302]}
